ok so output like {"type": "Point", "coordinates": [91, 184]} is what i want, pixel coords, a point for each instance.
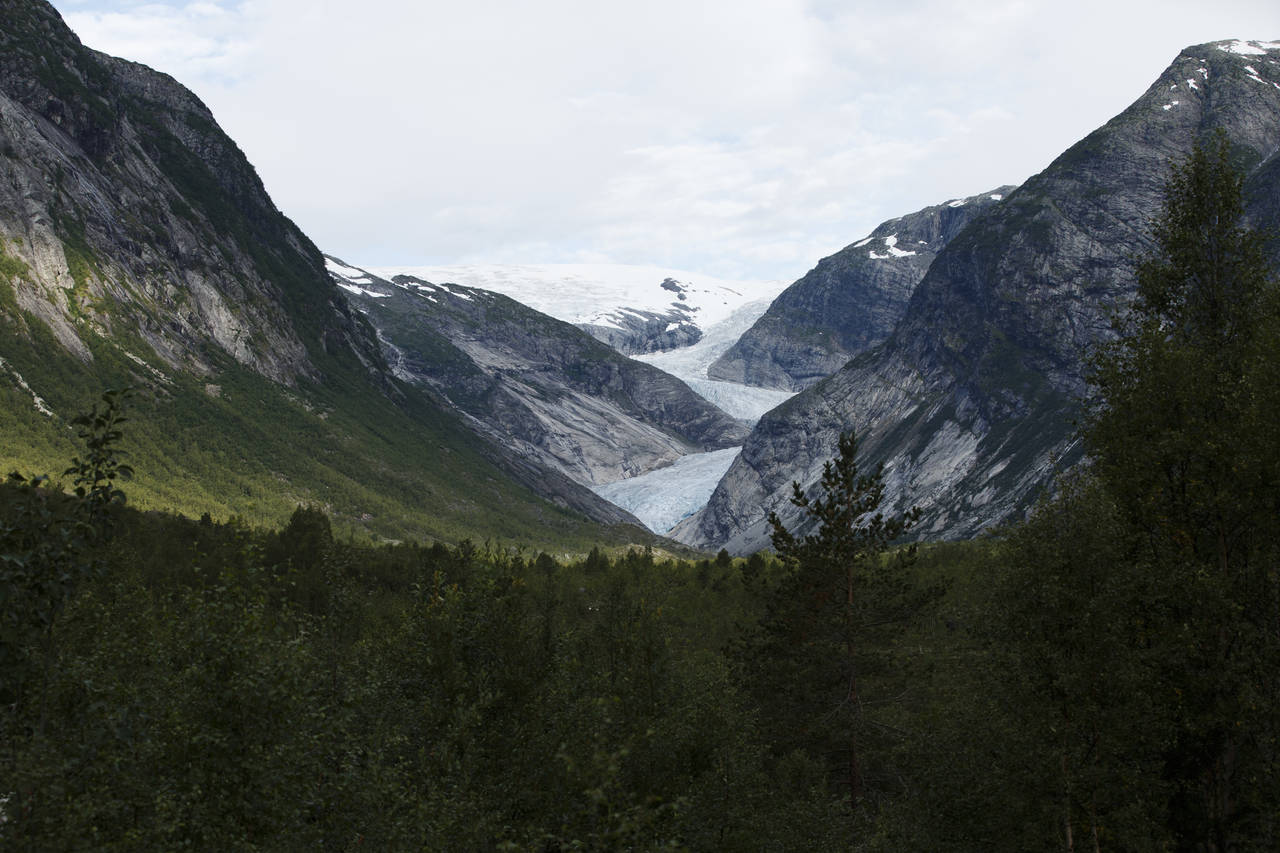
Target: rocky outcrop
{"type": "Point", "coordinates": [636, 331]}
{"type": "Point", "coordinates": [134, 214]}
{"type": "Point", "coordinates": [135, 234]}
{"type": "Point", "coordinates": [543, 388]}
{"type": "Point", "coordinates": [970, 401]}
{"type": "Point", "coordinates": [849, 302]}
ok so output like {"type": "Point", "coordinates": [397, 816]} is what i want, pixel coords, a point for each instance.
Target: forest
{"type": "Point", "coordinates": [1102, 675]}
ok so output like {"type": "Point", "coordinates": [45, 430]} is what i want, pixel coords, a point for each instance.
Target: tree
{"type": "Point", "coordinates": [1182, 432]}
{"type": "Point", "coordinates": [1184, 438]}
{"type": "Point", "coordinates": [824, 631]}
{"type": "Point", "coordinates": [46, 539]}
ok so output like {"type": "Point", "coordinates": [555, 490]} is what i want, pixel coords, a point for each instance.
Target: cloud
{"type": "Point", "coordinates": [192, 41]}
{"type": "Point", "coordinates": [740, 137]}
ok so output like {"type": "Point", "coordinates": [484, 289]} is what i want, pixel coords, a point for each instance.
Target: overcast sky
{"type": "Point", "coordinates": [741, 138]}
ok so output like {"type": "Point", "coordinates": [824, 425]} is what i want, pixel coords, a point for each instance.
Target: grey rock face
{"type": "Point", "coordinates": [849, 302]}
{"type": "Point", "coordinates": [971, 398]}
{"type": "Point", "coordinates": [128, 219]}
{"type": "Point", "coordinates": [543, 388]}
{"type": "Point", "coordinates": [134, 214]}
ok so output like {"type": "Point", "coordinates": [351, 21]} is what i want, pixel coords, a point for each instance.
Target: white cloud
{"type": "Point", "coordinates": [741, 137]}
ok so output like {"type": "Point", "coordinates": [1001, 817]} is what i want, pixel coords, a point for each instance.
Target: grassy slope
{"type": "Point", "coordinates": [257, 450]}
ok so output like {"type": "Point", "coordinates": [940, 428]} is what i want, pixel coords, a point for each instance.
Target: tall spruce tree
{"type": "Point", "coordinates": [1185, 439]}
{"type": "Point", "coordinates": [824, 635]}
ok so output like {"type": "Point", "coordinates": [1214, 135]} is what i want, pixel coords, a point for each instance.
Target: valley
{"type": "Point", "coordinates": [967, 539]}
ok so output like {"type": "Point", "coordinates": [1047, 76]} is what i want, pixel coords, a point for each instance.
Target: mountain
{"type": "Point", "coordinates": [849, 302]}
{"type": "Point", "coordinates": [138, 247]}
{"type": "Point", "coordinates": [541, 387]}
{"type": "Point", "coordinates": [634, 309]}
{"type": "Point", "coordinates": [969, 402]}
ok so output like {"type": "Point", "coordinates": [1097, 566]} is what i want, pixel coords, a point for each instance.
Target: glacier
{"type": "Point", "coordinates": [664, 497]}
{"type": "Point", "coordinates": [689, 364]}
{"type": "Point", "coordinates": [595, 294]}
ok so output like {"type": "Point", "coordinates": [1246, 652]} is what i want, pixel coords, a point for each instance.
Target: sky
{"type": "Point", "coordinates": [739, 138]}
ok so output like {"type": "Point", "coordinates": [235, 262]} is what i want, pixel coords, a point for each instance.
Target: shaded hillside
{"type": "Point", "coordinates": [849, 302]}
{"type": "Point", "coordinates": [971, 399]}
{"type": "Point", "coordinates": [138, 246]}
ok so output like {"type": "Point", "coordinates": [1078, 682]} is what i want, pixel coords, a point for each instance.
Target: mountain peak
{"type": "Point", "coordinates": [1247, 48]}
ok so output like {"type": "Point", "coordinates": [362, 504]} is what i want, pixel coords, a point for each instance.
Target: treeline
{"type": "Point", "coordinates": [172, 683]}
{"type": "Point", "coordinates": [1104, 675]}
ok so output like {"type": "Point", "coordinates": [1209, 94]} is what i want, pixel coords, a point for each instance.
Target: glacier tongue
{"type": "Point", "coordinates": [662, 498]}
{"type": "Point", "coordinates": [690, 364]}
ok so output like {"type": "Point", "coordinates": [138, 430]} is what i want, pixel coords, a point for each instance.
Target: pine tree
{"type": "Point", "coordinates": [1185, 439]}
{"type": "Point", "coordinates": [824, 634]}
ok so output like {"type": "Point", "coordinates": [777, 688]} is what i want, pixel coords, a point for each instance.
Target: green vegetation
{"type": "Point", "coordinates": [815, 664]}
{"type": "Point", "coordinates": [1105, 674]}
{"type": "Point", "coordinates": [251, 449]}
{"type": "Point", "coordinates": [209, 685]}
{"type": "Point", "coordinates": [10, 268]}
{"type": "Point", "coordinates": [1118, 687]}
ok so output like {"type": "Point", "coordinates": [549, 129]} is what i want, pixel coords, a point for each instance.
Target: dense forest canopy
{"type": "Point", "coordinates": [1104, 674]}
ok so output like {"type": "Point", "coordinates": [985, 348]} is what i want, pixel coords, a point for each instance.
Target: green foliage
{"type": "Point", "coordinates": [1185, 441]}
{"type": "Point", "coordinates": [216, 687]}
{"type": "Point", "coordinates": [379, 467]}
{"type": "Point", "coordinates": [1120, 678]}
{"type": "Point", "coordinates": [10, 268]}
{"type": "Point", "coordinates": [819, 659]}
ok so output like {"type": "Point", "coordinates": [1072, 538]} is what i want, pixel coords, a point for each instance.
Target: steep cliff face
{"type": "Point", "coordinates": [849, 302]}
{"type": "Point", "coordinates": [134, 215]}
{"type": "Point", "coordinates": [543, 388]}
{"type": "Point", "coordinates": [138, 247]}
{"type": "Point", "coordinates": [970, 399]}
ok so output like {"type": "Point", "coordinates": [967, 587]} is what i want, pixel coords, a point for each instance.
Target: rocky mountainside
{"type": "Point", "coordinates": [634, 309]}
{"type": "Point", "coordinates": [970, 399]}
{"type": "Point", "coordinates": [849, 302]}
{"type": "Point", "coordinates": [543, 388]}
{"type": "Point", "coordinates": [139, 247]}
{"type": "Point", "coordinates": [136, 216]}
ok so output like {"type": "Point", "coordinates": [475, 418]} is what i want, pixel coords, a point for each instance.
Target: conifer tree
{"type": "Point", "coordinates": [1185, 439]}
{"type": "Point", "coordinates": [825, 629]}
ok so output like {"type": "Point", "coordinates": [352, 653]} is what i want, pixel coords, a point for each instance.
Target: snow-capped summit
{"type": "Point", "coordinates": [634, 309]}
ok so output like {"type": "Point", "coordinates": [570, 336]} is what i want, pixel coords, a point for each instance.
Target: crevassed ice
{"type": "Point", "coordinates": [689, 364]}
{"type": "Point", "coordinates": [662, 498]}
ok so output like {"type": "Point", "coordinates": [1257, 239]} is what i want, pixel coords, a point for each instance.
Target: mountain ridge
{"type": "Point", "coordinates": [544, 388]}
{"type": "Point", "coordinates": [139, 247]}
{"type": "Point", "coordinates": [969, 401]}
{"type": "Point", "coordinates": [849, 302]}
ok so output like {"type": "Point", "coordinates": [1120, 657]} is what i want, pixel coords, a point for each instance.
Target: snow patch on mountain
{"type": "Point", "coordinates": [603, 294]}
{"type": "Point", "coordinates": [662, 498]}
{"type": "Point", "coordinates": [1249, 48]}
{"type": "Point", "coordinates": [891, 248]}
